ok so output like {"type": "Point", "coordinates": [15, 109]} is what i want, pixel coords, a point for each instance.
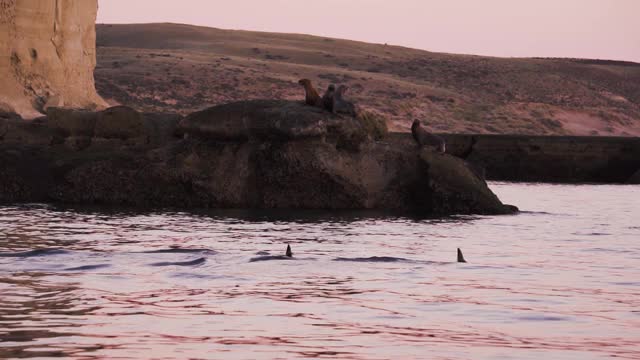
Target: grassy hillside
{"type": "Point", "coordinates": [182, 68]}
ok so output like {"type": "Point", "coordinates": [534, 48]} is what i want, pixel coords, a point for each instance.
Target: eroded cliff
{"type": "Point", "coordinates": [47, 55]}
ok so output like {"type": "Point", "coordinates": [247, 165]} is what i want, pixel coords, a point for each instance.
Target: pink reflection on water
{"type": "Point", "coordinates": [528, 291]}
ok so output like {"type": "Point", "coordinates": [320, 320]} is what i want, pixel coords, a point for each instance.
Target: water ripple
{"type": "Point", "coordinates": [557, 281]}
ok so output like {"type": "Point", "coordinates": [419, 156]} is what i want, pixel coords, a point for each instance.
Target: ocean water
{"type": "Point", "coordinates": [561, 280]}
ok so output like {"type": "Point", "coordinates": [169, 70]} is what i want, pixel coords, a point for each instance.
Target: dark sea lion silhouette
{"type": "Point", "coordinates": [425, 138]}
{"type": "Point", "coordinates": [311, 95]}
{"type": "Point", "coordinates": [461, 257]}
{"type": "Point", "coordinates": [327, 98]}
{"type": "Point", "coordinates": [342, 106]}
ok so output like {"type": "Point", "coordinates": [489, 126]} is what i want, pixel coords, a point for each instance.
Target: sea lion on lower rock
{"type": "Point", "coordinates": [327, 98]}
{"type": "Point", "coordinates": [425, 138]}
{"type": "Point", "coordinates": [311, 98]}
{"type": "Point", "coordinates": [342, 106]}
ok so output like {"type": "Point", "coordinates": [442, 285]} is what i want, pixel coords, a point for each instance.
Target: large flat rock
{"type": "Point", "coordinates": [275, 119]}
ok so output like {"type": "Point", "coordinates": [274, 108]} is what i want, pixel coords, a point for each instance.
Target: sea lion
{"type": "Point", "coordinates": [311, 98]}
{"type": "Point", "coordinates": [327, 98]}
{"type": "Point", "coordinates": [425, 138]}
{"type": "Point", "coordinates": [342, 106]}
{"type": "Point", "coordinates": [461, 257]}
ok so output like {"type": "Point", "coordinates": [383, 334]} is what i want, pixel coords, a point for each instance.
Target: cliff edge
{"type": "Point", "coordinates": [47, 55]}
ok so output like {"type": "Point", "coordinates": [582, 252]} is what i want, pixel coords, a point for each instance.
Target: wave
{"type": "Point", "coordinates": [377, 259]}
{"type": "Point", "coordinates": [272, 258]}
{"type": "Point", "coordinates": [35, 253]}
{"type": "Point", "coordinates": [88, 267]}
{"type": "Point", "coordinates": [180, 251]}
{"type": "Point", "coordinates": [196, 262]}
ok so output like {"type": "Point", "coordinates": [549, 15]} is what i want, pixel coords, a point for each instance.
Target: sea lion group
{"type": "Point", "coordinates": [333, 99]}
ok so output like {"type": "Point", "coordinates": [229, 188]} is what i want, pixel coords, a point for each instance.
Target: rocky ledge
{"type": "Point", "coordinates": [253, 154]}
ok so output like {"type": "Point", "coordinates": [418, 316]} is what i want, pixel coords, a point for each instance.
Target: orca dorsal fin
{"type": "Point", "coordinates": [289, 253]}
{"type": "Point", "coordinates": [461, 257]}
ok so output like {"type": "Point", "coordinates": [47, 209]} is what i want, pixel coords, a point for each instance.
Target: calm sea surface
{"type": "Point", "coordinates": [559, 281]}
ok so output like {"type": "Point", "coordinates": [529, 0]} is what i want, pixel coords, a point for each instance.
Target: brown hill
{"type": "Point", "coordinates": [183, 68]}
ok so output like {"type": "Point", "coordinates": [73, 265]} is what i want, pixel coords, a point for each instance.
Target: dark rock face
{"type": "Point", "coordinates": [9, 115]}
{"type": "Point", "coordinates": [257, 119]}
{"type": "Point", "coordinates": [4, 128]}
{"type": "Point", "coordinates": [71, 122]}
{"type": "Point", "coordinates": [119, 122]}
{"type": "Point", "coordinates": [25, 132]}
{"type": "Point", "coordinates": [257, 154]}
{"type": "Point", "coordinates": [113, 127]}
{"type": "Point", "coordinates": [25, 175]}
{"type": "Point", "coordinates": [563, 159]}
{"type": "Point", "coordinates": [635, 178]}
{"type": "Point", "coordinates": [449, 185]}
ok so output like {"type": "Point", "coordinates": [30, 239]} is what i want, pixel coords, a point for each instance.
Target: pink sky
{"type": "Point", "coordinates": [605, 29]}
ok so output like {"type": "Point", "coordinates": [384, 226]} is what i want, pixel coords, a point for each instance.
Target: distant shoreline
{"type": "Point", "coordinates": [550, 159]}
{"type": "Point", "coordinates": [184, 68]}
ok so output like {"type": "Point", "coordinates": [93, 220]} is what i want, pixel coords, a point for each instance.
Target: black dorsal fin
{"type": "Point", "coordinates": [461, 257]}
{"type": "Point", "coordinates": [289, 253]}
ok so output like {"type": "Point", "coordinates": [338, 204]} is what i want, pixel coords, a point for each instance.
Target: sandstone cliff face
{"type": "Point", "coordinates": [47, 55]}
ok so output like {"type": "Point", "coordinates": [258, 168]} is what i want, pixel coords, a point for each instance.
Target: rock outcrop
{"type": "Point", "coordinates": [254, 154]}
{"type": "Point", "coordinates": [256, 119]}
{"type": "Point", "coordinates": [47, 55]}
{"type": "Point", "coordinates": [560, 159]}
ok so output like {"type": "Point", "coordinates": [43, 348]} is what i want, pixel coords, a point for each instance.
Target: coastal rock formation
{"type": "Point", "coordinates": [254, 154]}
{"type": "Point", "coordinates": [563, 159]}
{"type": "Point", "coordinates": [47, 55]}
{"type": "Point", "coordinates": [257, 119]}
{"type": "Point", "coordinates": [279, 120]}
